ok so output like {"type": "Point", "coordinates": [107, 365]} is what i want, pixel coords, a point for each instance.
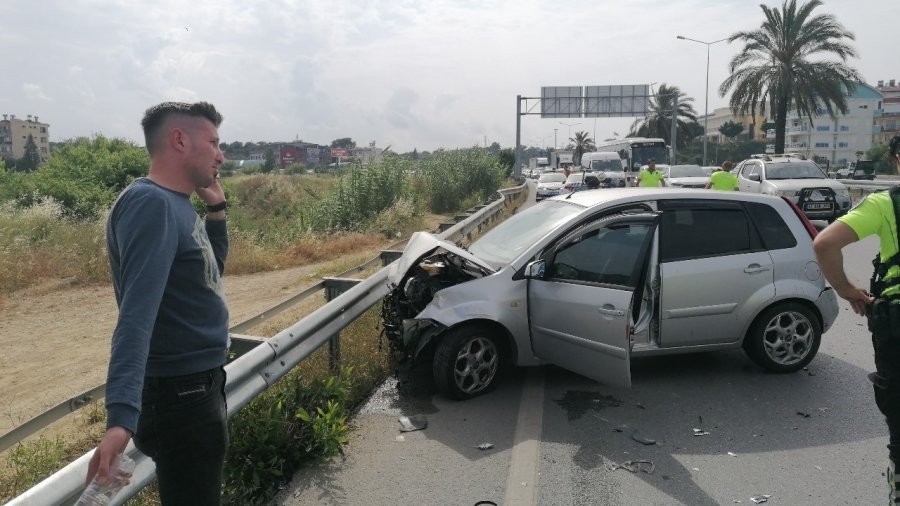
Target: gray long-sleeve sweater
{"type": "Point", "coordinates": [166, 265]}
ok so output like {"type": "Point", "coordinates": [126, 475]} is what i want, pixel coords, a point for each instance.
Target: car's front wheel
{"type": "Point", "coordinates": [467, 361]}
{"type": "Point", "coordinates": [784, 338]}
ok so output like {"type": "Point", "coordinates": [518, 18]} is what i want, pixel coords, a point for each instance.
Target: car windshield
{"type": "Point", "coordinates": [505, 242]}
{"type": "Point", "coordinates": [643, 154]}
{"type": "Point", "coordinates": [794, 170]}
{"type": "Point", "coordinates": [606, 165]}
{"type": "Point", "coordinates": [552, 178]}
{"type": "Point", "coordinates": [686, 171]}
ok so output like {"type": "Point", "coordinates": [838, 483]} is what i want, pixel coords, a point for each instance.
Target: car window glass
{"type": "Point", "coordinates": [772, 228]}
{"type": "Point", "coordinates": [695, 233]}
{"type": "Point", "coordinates": [604, 256]}
{"type": "Point", "coordinates": [750, 168]}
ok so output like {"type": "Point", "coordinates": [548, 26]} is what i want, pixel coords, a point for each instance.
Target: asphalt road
{"type": "Point", "coordinates": [813, 437]}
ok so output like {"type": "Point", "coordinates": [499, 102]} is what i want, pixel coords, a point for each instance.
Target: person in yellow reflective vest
{"type": "Point", "coordinates": [723, 179]}
{"type": "Point", "coordinates": [650, 177]}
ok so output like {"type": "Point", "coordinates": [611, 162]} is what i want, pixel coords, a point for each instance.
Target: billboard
{"type": "Point", "coordinates": [561, 101]}
{"type": "Point", "coordinates": [341, 152]}
{"type": "Point", "coordinates": [616, 101]}
{"type": "Point", "coordinates": [622, 100]}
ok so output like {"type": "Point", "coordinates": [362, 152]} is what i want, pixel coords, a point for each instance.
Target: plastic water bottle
{"type": "Point", "coordinates": [100, 495]}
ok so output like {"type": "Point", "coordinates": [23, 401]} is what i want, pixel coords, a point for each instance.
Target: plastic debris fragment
{"type": "Point", "coordinates": [803, 414]}
{"type": "Point", "coordinates": [485, 446]}
{"type": "Point", "coordinates": [641, 438]}
{"type": "Point", "coordinates": [732, 454]}
{"type": "Point", "coordinates": [634, 466]}
{"type": "Point", "coordinates": [700, 432]}
{"type": "Point", "coordinates": [411, 423]}
{"type": "Point", "coordinates": [639, 405]}
{"type": "Point", "coordinates": [759, 499]}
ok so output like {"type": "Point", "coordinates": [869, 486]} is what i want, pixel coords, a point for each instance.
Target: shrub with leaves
{"type": "Point", "coordinates": [294, 421]}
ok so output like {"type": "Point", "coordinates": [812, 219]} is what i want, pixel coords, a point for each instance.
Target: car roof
{"type": "Point", "coordinates": [637, 194]}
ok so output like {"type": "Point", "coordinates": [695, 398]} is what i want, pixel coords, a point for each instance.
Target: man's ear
{"type": "Point", "coordinates": [177, 139]}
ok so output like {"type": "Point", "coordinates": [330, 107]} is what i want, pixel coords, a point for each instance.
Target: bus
{"type": "Point", "coordinates": [635, 152]}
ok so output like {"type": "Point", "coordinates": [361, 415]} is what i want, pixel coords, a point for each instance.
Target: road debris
{"type": "Point", "coordinates": [732, 454]}
{"type": "Point", "coordinates": [759, 499]}
{"type": "Point", "coordinates": [803, 414]}
{"type": "Point", "coordinates": [411, 423]}
{"type": "Point", "coordinates": [639, 405]}
{"type": "Point", "coordinates": [700, 432]}
{"type": "Point", "coordinates": [634, 466]}
{"type": "Point", "coordinates": [485, 446]}
{"type": "Point", "coordinates": [641, 438]}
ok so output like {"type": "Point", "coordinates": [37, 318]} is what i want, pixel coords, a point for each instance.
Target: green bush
{"type": "Point", "coordinates": [294, 421]}
{"type": "Point", "coordinates": [454, 179]}
{"type": "Point", "coordinates": [28, 463]}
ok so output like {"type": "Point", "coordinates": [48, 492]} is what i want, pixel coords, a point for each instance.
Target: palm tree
{"type": "Point", "coordinates": [773, 70]}
{"type": "Point", "coordinates": [582, 144]}
{"type": "Point", "coordinates": [658, 122]}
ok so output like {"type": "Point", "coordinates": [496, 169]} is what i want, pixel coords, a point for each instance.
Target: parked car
{"type": "Point", "coordinates": [858, 169]}
{"type": "Point", "coordinates": [588, 280]}
{"type": "Point", "coordinates": [686, 176]}
{"type": "Point", "coordinates": [798, 179]}
{"type": "Point", "coordinates": [550, 184]}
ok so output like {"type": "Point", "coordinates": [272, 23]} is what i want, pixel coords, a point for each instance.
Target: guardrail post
{"type": "Point", "coordinates": [389, 255]}
{"type": "Point", "coordinates": [333, 288]}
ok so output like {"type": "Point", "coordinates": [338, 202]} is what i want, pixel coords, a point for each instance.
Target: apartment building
{"type": "Point", "coordinates": [887, 117]}
{"type": "Point", "coordinates": [838, 139]}
{"type": "Point", "coordinates": [14, 134]}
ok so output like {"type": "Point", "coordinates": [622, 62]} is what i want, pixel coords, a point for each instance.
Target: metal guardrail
{"type": "Point", "coordinates": [262, 365]}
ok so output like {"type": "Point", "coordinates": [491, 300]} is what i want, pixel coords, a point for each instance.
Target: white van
{"type": "Point", "coordinates": [607, 164]}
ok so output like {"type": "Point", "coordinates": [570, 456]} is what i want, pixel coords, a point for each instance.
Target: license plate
{"type": "Point", "coordinates": [817, 206]}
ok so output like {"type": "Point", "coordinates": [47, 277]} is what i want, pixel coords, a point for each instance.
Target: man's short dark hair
{"type": "Point", "coordinates": [592, 182]}
{"type": "Point", "coordinates": [155, 116]}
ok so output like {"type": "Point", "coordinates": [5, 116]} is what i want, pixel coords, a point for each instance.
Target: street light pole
{"type": "Point", "coordinates": [555, 143]}
{"type": "Point", "coordinates": [570, 127]}
{"type": "Point", "coordinates": [706, 111]}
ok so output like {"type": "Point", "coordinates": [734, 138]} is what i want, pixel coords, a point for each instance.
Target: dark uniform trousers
{"type": "Point", "coordinates": [884, 322]}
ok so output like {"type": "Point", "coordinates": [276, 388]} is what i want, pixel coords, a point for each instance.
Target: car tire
{"type": "Point", "coordinates": [467, 361]}
{"type": "Point", "coordinates": [784, 338]}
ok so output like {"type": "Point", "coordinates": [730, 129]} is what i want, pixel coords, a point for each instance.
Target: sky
{"type": "Point", "coordinates": [421, 74]}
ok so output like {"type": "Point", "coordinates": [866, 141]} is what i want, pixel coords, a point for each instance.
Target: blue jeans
{"type": "Point", "coordinates": [183, 427]}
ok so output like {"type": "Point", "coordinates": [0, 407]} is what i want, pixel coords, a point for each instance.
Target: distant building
{"type": "Point", "coordinates": [887, 117]}
{"type": "Point", "coordinates": [301, 152]}
{"type": "Point", "coordinates": [14, 134]}
{"type": "Point", "coordinates": [366, 154]}
{"type": "Point", "coordinates": [722, 115]}
{"type": "Point", "coordinates": [835, 139]}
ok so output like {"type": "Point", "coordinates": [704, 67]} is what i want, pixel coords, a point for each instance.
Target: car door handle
{"type": "Point", "coordinates": [611, 312]}
{"type": "Point", "coordinates": [754, 268]}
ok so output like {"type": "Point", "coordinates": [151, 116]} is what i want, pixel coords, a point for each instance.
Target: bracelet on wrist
{"type": "Point", "coordinates": [216, 207]}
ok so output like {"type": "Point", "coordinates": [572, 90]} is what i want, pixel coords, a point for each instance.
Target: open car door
{"type": "Point", "coordinates": [581, 295]}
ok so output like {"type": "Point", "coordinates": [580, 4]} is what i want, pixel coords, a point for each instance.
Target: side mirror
{"type": "Point", "coordinates": [535, 270]}
{"type": "Point", "coordinates": [753, 177]}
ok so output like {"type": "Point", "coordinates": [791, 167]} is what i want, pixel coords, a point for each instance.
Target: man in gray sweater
{"type": "Point", "coordinates": [166, 382]}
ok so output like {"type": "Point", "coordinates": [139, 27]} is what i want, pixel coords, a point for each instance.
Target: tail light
{"type": "Point", "coordinates": [810, 229]}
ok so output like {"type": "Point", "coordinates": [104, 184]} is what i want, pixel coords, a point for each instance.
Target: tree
{"type": "Point", "coordinates": [269, 166]}
{"type": "Point", "coordinates": [582, 144]}
{"type": "Point", "coordinates": [343, 142]}
{"type": "Point", "coordinates": [508, 158]}
{"type": "Point", "coordinates": [32, 159]}
{"type": "Point", "coordinates": [731, 129]}
{"type": "Point", "coordinates": [774, 68]}
{"type": "Point", "coordinates": [882, 158]}
{"type": "Point", "coordinates": [658, 122]}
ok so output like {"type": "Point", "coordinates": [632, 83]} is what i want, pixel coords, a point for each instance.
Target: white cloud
{"type": "Point", "coordinates": [34, 92]}
{"type": "Point", "coordinates": [402, 72]}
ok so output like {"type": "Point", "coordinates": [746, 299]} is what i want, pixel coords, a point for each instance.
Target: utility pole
{"type": "Point", "coordinates": [555, 143]}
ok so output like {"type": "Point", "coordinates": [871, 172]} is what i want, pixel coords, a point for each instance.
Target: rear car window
{"type": "Point", "coordinates": [687, 232]}
{"type": "Point", "coordinates": [774, 232]}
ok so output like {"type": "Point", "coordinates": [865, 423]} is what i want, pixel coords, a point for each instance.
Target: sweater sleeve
{"type": "Point", "coordinates": [143, 233]}
{"type": "Point", "coordinates": [217, 231]}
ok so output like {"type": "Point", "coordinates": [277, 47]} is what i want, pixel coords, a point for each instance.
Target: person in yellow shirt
{"type": "Point", "coordinates": [723, 179]}
{"type": "Point", "coordinates": [650, 177]}
{"type": "Point", "coordinates": [876, 215]}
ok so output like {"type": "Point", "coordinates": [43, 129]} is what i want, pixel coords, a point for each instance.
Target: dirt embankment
{"type": "Point", "coordinates": [54, 340]}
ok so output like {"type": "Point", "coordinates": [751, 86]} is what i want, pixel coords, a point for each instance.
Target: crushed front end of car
{"type": "Point", "coordinates": [427, 266]}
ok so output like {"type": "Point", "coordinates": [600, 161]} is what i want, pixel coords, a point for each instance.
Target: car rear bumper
{"type": "Point", "coordinates": [828, 307]}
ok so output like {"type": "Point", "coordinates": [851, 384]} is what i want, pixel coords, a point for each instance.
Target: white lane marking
{"type": "Point", "coordinates": [521, 484]}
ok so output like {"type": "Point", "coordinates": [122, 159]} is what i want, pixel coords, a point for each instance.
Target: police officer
{"type": "Point", "coordinates": [877, 214]}
{"type": "Point", "coordinates": [650, 177]}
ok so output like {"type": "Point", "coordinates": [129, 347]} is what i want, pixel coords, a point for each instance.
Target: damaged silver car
{"type": "Point", "coordinates": [589, 280]}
